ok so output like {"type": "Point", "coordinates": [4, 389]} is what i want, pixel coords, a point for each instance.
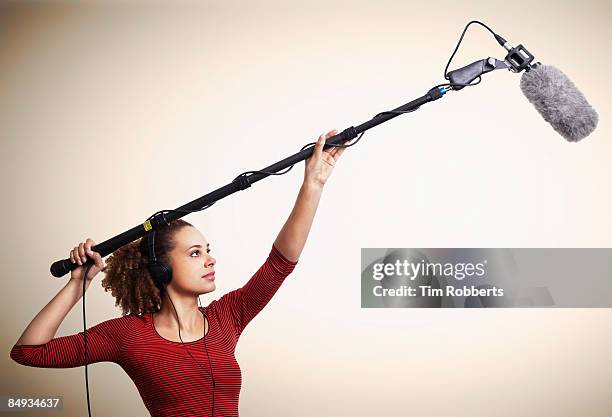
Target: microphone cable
{"type": "Point", "coordinates": [311, 144]}
{"type": "Point", "coordinates": [461, 39]}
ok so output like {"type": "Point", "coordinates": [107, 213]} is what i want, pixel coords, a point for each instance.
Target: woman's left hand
{"type": "Point", "coordinates": [321, 163]}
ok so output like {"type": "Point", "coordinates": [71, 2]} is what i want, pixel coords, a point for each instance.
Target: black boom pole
{"type": "Point", "coordinates": [62, 267]}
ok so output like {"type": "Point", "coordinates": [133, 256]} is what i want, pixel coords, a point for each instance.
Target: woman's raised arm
{"type": "Point", "coordinates": [292, 237]}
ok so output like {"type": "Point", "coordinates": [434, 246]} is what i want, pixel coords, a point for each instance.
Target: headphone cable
{"type": "Point", "coordinates": [183, 343]}
{"type": "Point", "coordinates": [85, 339]}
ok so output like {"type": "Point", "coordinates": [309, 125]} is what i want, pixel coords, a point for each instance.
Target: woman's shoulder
{"type": "Point", "coordinates": [211, 310]}
{"type": "Point", "coordinates": [126, 322]}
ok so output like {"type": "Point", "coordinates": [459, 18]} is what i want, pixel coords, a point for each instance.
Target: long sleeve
{"type": "Point", "coordinates": [103, 344]}
{"type": "Point", "coordinates": [244, 303]}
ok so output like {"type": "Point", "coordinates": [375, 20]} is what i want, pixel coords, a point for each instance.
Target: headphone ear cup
{"type": "Point", "coordinates": [162, 273]}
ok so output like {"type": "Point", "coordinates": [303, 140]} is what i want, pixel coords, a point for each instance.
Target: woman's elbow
{"type": "Point", "coordinates": [19, 355]}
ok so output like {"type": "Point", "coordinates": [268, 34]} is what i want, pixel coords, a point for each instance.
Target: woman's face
{"type": "Point", "coordinates": [190, 261]}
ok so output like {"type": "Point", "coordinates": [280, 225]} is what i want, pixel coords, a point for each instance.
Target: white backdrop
{"type": "Point", "coordinates": [111, 110]}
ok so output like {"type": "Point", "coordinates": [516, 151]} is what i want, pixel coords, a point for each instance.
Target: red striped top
{"type": "Point", "coordinates": [168, 380]}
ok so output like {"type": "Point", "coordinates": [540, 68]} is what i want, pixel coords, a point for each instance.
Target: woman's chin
{"type": "Point", "coordinates": [210, 287]}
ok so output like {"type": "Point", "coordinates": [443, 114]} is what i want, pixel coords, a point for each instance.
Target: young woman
{"type": "Point", "coordinates": [180, 356]}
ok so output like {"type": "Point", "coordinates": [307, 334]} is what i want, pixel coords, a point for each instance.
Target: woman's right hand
{"type": "Point", "coordinates": [79, 255]}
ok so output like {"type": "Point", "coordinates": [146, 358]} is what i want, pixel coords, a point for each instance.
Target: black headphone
{"type": "Point", "coordinates": [160, 271]}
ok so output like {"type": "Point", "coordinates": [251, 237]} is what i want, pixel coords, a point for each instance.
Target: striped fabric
{"type": "Point", "coordinates": [168, 380]}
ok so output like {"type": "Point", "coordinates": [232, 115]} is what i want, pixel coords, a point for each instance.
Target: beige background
{"type": "Point", "coordinates": [112, 110]}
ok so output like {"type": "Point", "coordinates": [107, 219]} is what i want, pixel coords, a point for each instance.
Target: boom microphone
{"type": "Point", "coordinates": [552, 93]}
{"type": "Point", "coordinates": [559, 102]}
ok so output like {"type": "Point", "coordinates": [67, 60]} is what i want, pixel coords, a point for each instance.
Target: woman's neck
{"type": "Point", "coordinates": [187, 310]}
